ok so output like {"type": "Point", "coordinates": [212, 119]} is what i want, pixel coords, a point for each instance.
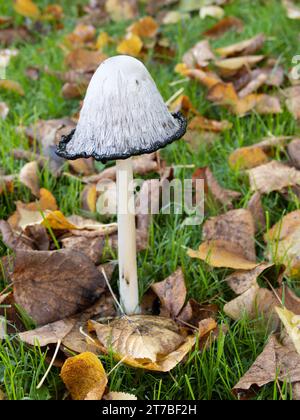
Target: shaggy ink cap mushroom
{"type": "Point", "coordinates": [123, 115]}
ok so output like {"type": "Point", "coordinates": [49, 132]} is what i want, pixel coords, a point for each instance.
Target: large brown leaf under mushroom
{"type": "Point", "coordinates": [148, 342]}
{"type": "Point", "coordinates": [52, 285]}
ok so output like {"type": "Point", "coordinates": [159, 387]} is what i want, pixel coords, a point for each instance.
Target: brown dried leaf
{"type": "Point", "coordinates": [68, 283]}
{"type": "Point", "coordinates": [242, 280]}
{"type": "Point", "coordinates": [224, 25]}
{"type": "Point", "coordinates": [292, 10]}
{"type": "Point", "coordinates": [256, 208]}
{"type": "Point", "coordinates": [29, 177]}
{"type": "Point", "coordinates": [82, 34]}
{"type": "Point", "coordinates": [293, 150]}
{"type": "Point", "coordinates": [171, 293]}
{"type": "Point", "coordinates": [247, 47]}
{"type": "Point", "coordinates": [11, 36]}
{"type": "Point", "coordinates": [292, 101]}
{"type": "Point", "coordinates": [148, 342]}
{"type": "Point", "coordinates": [200, 55]}
{"type": "Point", "coordinates": [84, 60]}
{"type": "Point", "coordinates": [277, 362]}
{"type": "Point", "coordinates": [6, 183]}
{"type": "Point", "coordinates": [194, 312]}
{"type": "Point", "coordinates": [84, 377]}
{"type": "Point", "coordinates": [49, 333]}
{"type": "Point", "coordinates": [273, 176]}
{"type": "Point", "coordinates": [89, 198]}
{"type": "Point", "coordinates": [201, 123]}
{"type": "Point", "coordinates": [214, 189]}
{"type": "Point", "coordinates": [236, 63]}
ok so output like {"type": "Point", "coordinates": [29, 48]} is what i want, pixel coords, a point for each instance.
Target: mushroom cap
{"type": "Point", "coordinates": [123, 115]}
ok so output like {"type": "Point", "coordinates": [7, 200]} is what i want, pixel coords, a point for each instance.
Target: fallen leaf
{"type": "Point", "coordinates": [292, 95]}
{"type": "Point", "coordinates": [201, 123]}
{"type": "Point", "coordinates": [206, 326]}
{"type": "Point", "coordinates": [148, 342]}
{"type": "Point", "coordinates": [247, 47]}
{"type": "Point", "coordinates": [89, 198]}
{"type": "Point", "coordinates": [247, 157]}
{"type": "Point", "coordinates": [228, 241]}
{"type": "Point", "coordinates": [207, 79]}
{"type": "Point", "coordinates": [32, 73]}
{"type": "Point", "coordinates": [231, 65]}
{"type": "Point", "coordinates": [272, 176]}
{"type": "Point", "coordinates": [255, 206]}
{"type": "Point", "coordinates": [12, 86]}
{"type": "Point", "coordinates": [292, 10]}
{"type": "Point", "coordinates": [118, 396]}
{"type": "Point", "coordinates": [29, 177]}
{"type": "Point", "coordinates": [27, 8]}
{"type": "Point", "coordinates": [120, 10]}
{"type": "Point", "coordinates": [6, 183]}
{"type": "Point", "coordinates": [68, 283]}
{"type": "Point", "coordinates": [194, 312]}
{"type": "Point", "coordinates": [242, 280]}
{"type": "Point", "coordinates": [224, 25]}
{"type": "Point", "coordinates": [145, 27]}
{"type": "Point", "coordinates": [213, 189]}
{"type": "Point", "coordinates": [173, 16]}
{"type": "Point", "coordinates": [212, 11]}
{"type": "Point", "coordinates": [48, 334]}
{"type": "Point", "coordinates": [293, 150]}
{"type": "Point", "coordinates": [11, 36]}
{"type": "Point", "coordinates": [84, 60]}
{"type": "Point", "coordinates": [171, 293]}
{"type": "Point", "coordinates": [253, 86]}
{"type": "Point", "coordinates": [81, 35]}
{"type": "Point", "coordinates": [192, 5]}
{"type": "Point", "coordinates": [131, 45]}
{"type": "Point", "coordinates": [184, 105]}
{"type": "Point", "coordinates": [103, 40]}
{"type": "Point", "coordinates": [291, 323]}
{"type": "Point", "coordinates": [84, 377]}
{"type": "Point", "coordinates": [276, 362]}
{"type": "Point", "coordinates": [200, 55]}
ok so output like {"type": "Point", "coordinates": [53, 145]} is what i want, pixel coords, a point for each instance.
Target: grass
{"type": "Point", "coordinates": [209, 374]}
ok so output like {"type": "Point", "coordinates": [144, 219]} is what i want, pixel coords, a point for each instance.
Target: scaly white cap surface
{"type": "Point", "coordinates": [123, 114]}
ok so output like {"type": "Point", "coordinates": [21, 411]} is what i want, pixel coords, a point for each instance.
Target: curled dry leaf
{"type": "Point", "coordinates": [68, 283]}
{"type": "Point", "coordinates": [277, 362]}
{"type": "Point", "coordinates": [6, 183]}
{"type": "Point", "coordinates": [84, 377]}
{"type": "Point", "coordinates": [292, 10]}
{"type": "Point", "coordinates": [201, 123]}
{"type": "Point", "coordinates": [89, 198]}
{"type": "Point", "coordinates": [148, 342]}
{"type": "Point", "coordinates": [231, 65]}
{"type": "Point", "coordinates": [240, 281]}
{"type": "Point", "coordinates": [224, 25]}
{"type": "Point", "coordinates": [29, 177]}
{"type": "Point", "coordinates": [200, 55]}
{"type": "Point", "coordinates": [81, 35]}
{"type": "Point", "coordinates": [171, 293]}
{"type": "Point", "coordinates": [213, 189]}
{"type": "Point", "coordinates": [194, 312]}
{"type": "Point", "coordinates": [228, 241]}
{"type": "Point", "coordinates": [273, 176]}
{"type": "Point", "coordinates": [212, 11]}
{"type": "Point", "coordinates": [48, 334]}
{"type": "Point", "coordinates": [247, 47]}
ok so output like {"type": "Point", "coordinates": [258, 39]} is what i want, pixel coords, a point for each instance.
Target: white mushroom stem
{"type": "Point", "coordinates": [128, 281]}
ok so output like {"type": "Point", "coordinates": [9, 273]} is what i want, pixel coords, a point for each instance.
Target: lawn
{"type": "Point", "coordinates": [205, 375]}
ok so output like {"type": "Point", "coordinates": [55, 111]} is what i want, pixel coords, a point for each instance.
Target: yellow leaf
{"type": "Point", "coordinates": [102, 40]}
{"type": "Point", "coordinates": [218, 253]}
{"type": "Point", "coordinates": [57, 221]}
{"type": "Point", "coordinates": [89, 198]}
{"type": "Point", "coordinates": [27, 8]}
{"type": "Point", "coordinates": [181, 69]}
{"type": "Point", "coordinates": [247, 157]}
{"type": "Point", "coordinates": [292, 325]}
{"type": "Point", "coordinates": [132, 45]}
{"type": "Point", "coordinates": [12, 86]}
{"type": "Point", "coordinates": [84, 376]}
